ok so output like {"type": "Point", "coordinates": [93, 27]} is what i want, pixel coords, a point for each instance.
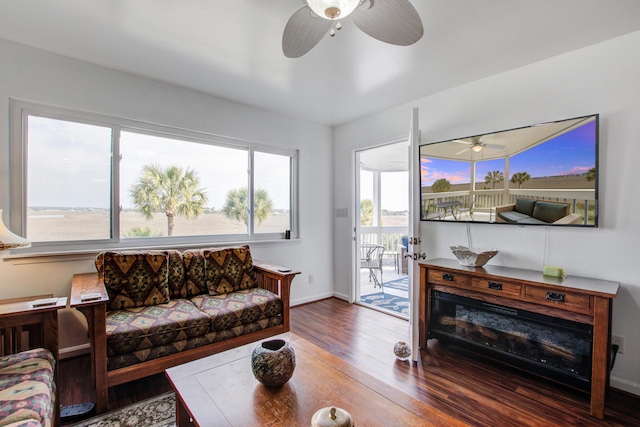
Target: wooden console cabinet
{"type": "Point", "coordinates": [573, 298]}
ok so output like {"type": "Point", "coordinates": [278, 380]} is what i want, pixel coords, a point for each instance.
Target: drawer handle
{"type": "Point", "coordinates": [447, 277]}
{"type": "Point", "coordinates": [495, 286]}
{"type": "Point", "coordinates": [554, 296]}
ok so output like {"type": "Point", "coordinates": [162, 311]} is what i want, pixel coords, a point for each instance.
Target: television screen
{"type": "Point", "coordinates": [544, 174]}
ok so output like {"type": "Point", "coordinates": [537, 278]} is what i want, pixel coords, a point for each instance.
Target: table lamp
{"type": "Point", "coordinates": [9, 240]}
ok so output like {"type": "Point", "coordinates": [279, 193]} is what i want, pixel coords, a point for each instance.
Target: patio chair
{"type": "Point", "coordinates": [371, 258]}
{"type": "Point", "coordinates": [468, 210]}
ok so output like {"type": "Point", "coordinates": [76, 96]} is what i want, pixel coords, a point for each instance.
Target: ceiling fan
{"type": "Point", "coordinates": [477, 145]}
{"type": "Point", "coordinates": [391, 21]}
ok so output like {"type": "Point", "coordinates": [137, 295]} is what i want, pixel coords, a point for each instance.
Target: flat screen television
{"type": "Point", "coordinates": [544, 174]}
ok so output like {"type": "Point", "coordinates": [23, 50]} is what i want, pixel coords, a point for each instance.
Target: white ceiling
{"type": "Point", "coordinates": [502, 144]}
{"type": "Point", "coordinates": [232, 48]}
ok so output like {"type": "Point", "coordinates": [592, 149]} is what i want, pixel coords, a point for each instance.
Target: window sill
{"type": "Point", "coordinates": [19, 258]}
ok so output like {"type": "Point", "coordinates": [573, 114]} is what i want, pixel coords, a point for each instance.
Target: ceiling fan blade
{"type": "Point", "coordinates": [496, 146]}
{"type": "Point", "coordinates": [462, 151]}
{"type": "Point", "coordinates": [391, 21]}
{"type": "Point", "coordinates": [460, 141]}
{"type": "Point", "coordinates": [303, 31]}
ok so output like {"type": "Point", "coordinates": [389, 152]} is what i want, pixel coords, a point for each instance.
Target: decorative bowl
{"type": "Point", "coordinates": [332, 417]}
{"type": "Point", "coordinates": [402, 350]}
{"type": "Point", "coordinates": [471, 257]}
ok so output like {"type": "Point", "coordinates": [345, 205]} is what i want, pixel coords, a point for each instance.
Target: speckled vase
{"type": "Point", "coordinates": [273, 362]}
{"type": "Point", "coordinates": [402, 350]}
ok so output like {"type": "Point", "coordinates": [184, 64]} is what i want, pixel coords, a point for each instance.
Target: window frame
{"type": "Point", "coordinates": [20, 110]}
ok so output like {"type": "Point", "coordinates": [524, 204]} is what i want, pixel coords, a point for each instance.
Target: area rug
{"type": "Point", "coordinates": [399, 284]}
{"type": "Point", "coordinates": [388, 302]}
{"type": "Point", "coordinates": [159, 411]}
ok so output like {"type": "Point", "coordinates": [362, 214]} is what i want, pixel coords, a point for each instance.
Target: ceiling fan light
{"type": "Point", "coordinates": [333, 9]}
{"type": "Point", "coordinates": [477, 148]}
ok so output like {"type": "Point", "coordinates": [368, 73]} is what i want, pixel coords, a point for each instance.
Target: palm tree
{"type": "Point", "coordinates": [494, 178]}
{"type": "Point", "coordinates": [441, 185]}
{"type": "Point", "coordinates": [237, 205]}
{"type": "Point", "coordinates": [520, 178]}
{"type": "Point", "coordinates": [591, 174]}
{"type": "Point", "coordinates": [141, 232]}
{"type": "Point", "coordinates": [172, 190]}
{"type": "Point", "coordinates": [366, 212]}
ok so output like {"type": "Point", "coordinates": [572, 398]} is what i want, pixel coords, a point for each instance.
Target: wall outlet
{"type": "Point", "coordinates": [619, 341]}
{"type": "Point", "coordinates": [311, 279]}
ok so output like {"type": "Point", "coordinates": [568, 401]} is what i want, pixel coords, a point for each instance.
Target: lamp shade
{"type": "Point", "coordinates": [333, 9]}
{"type": "Point", "coordinates": [8, 240]}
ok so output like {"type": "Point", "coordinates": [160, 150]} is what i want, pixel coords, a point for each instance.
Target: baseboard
{"type": "Point", "coordinates": [625, 385]}
{"type": "Point", "coordinates": [78, 350]}
{"type": "Point", "coordinates": [313, 298]}
{"type": "Point", "coordinates": [341, 296]}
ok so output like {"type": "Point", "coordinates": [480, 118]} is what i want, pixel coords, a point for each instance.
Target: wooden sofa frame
{"type": "Point", "coordinates": [268, 277]}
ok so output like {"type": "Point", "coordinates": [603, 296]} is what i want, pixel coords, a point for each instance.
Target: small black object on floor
{"type": "Point", "coordinates": [77, 411]}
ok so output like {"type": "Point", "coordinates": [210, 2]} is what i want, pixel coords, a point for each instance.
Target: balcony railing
{"type": "Point", "coordinates": [388, 236]}
{"type": "Point", "coordinates": [581, 200]}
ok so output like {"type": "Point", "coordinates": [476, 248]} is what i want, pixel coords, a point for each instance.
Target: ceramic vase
{"type": "Point", "coordinates": [402, 350]}
{"type": "Point", "coordinates": [273, 362]}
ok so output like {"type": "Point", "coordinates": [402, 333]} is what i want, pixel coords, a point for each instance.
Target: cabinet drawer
{"type": "Point", "coordinates": [567, 300]}
{"type": "Point", "coordinates": [496, 287]}
{"type": "Point", "coordinates": [441, 277]}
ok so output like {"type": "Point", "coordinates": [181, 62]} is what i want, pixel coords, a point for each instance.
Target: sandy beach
{"type": "Point", "coordinates": [53, 225]}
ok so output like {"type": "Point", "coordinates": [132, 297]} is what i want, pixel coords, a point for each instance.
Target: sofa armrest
{"type": "Point", "coordinates": [95, 311]}
{"type": "Point", "coordinates": [503, 208]}
{"type": "Point", "coordinates": [569, 219]}
{"type": "Point", "coordinates": [18, 315]}
{"type": "Point", "coordinates": [276, 279]}
{"type": "Point", "coordinates": [87, 289]}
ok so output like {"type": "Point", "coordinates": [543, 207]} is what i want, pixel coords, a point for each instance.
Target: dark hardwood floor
{"type": "Point", "coordinates": [477, 391]}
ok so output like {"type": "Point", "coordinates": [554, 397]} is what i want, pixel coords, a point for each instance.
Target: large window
{"type": "Point", "coordinates": [90, 181]}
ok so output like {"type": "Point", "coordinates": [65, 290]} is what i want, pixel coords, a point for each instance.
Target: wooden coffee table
{"type": "Point", "coordinates": [220, 390]}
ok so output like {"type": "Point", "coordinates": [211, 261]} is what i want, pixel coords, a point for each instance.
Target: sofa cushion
{"type": "Point", "coordinates": [142, 328]}
{"type": "Point", "coordinates": [128, 359]}
{"type": "Point", "coordinates": [512, 216]}
{"type": "Point", "coordinates": [525, 206]}
{"type": "Point", "coordinates": [175, 277]}
{"type": "Point", "coordinates": [239, 308]}
{"type": "Point", "coordinates": [177, 285]}
{"type": "Point", "coordinates": [194, 272]}
{"type": "Point", "coordinates": [229, 269]}
{"type": "Point", "coordinates": [27, 388]}
{"type": "Point", "coordinates": [550, 212]}
{"type": "Point", "coordinates": [136, 278]}
{"type": "Point", "coordinates": [529, 220]}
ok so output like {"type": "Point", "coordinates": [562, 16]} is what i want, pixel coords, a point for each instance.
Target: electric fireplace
{"type": "Point", "coordinates": [555, 348]}
{"type": "Point", "coordinates": [556, 327]}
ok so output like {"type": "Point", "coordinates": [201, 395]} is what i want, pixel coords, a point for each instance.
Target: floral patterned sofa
{"type": "Point", "coordinates": [151, 310]}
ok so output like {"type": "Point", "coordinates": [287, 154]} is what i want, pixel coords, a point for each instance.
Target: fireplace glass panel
{"type": "Point", "coordinates": [555, 348]}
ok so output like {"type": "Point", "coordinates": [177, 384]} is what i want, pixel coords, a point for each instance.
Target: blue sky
{"type": "Point", "coordinates": [571, 153]}
{"type": "Point", "coordinates": [70, 165]}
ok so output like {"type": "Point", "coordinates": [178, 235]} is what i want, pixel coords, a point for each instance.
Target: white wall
{"type": "Point", "coordinates": [603, 78]}
{"type": "Point", "coordinates": [38, 76]}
